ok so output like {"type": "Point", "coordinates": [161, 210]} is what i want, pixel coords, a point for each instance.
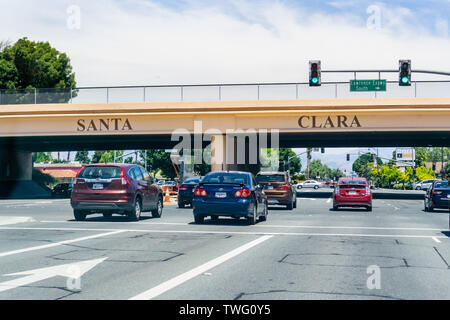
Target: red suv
{"type": "Point", "coordinates": [352, 192]}
{"type": "Point", "coordinates": [125, 189]}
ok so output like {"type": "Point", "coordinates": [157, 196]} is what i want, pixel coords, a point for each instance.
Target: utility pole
{"type": "Point", "coordinates": [308, 161]}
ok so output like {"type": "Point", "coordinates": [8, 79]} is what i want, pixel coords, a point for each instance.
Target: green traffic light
{"type": "Point", "coordinates": [314, 80]}
{"type": "Point", "coordinates": [405, 80]}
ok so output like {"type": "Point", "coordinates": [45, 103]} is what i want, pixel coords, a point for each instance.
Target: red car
{"type": "Point", "coordinates": [352, 192]}
{"type": "Point", "coordinates": [125, 189]}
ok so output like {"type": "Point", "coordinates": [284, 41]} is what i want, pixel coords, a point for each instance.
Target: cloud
{"type": "Point", "coordinates": [143, 42]}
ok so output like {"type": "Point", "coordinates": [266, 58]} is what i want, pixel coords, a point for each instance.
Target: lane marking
{"type": "Point", "coordinates": [56, 244]}
{"type": "Point", "coordinates": [174, 282]}
{"type": "Point", "coordinates": [329, 200]}
{"type": "Point", "coordinates": [258, 226]}
{"type": "Point", "coordinates": [237, 232]}
{"type": "Point", "coordinates": [436, 239]}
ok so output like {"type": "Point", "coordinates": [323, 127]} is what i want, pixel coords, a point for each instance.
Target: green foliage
{"type": "Point", "coordinates": [360, 166]}
{"type": "Point", "coordinates": [40, 157]}
{"type": "Point", "coordinates": [29, 65]}
{"type": "Point", "coordinates": [82, 157]}
{"type": "Point", "coordinates": [159, 161]}
{"type": "Point", "coordinates": [295, 164]}
{"type": "Point", "coordinates": [318, 169]}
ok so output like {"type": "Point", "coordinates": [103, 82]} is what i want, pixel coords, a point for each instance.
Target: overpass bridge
{"type": "Point", "coordinates": [411, 118]}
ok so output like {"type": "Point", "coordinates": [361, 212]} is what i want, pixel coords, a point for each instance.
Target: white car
{"type": "Point", "coordinates": [425, 184]}
{"type": "Point", "coordinates": [309, 184]}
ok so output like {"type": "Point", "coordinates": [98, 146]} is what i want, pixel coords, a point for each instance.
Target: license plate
{"type": "Point", "coordinates": [272, 201]}
{"type": "Point", "coordinates": [269, 187]}
{"type": "Point", "coordinates": [97, 186]}
{"type": "Point", "coordinates": [221, 194]}
{"type": "Point", "coordinates": [352, 193]}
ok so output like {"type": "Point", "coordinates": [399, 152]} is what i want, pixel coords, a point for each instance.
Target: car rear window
{"type": "Point", "coordinates": [103, 172]}
{"type": "Point", "coordinates": [442, 184]}
{"type": "Point", "coordinates": [191, 181]}
{"type": "Point", "coordinates": [357, 184]}
{"type": "Point", "coordinates": [270, 178]}
{"type": "Point", "coordinates": [219, 177]}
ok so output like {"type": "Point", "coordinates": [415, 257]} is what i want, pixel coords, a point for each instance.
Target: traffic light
{"type": "Point", "coordinates": [315, 78]}
{"type": "Point", "coordinates": [348, 157]}
{"type": "Point", "coordinates": [404, 73]}
{"type": "Point", "coordinates": [434, 166]}
{"type": "Point", "coordinates": [322, 150]}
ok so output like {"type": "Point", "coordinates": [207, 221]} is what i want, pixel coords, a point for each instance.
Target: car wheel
{"type": "Point", "coordinates": [264, 216]}
{"type": "Point", "coordinates": [335, 208]}
{"type": "Point", "coordinates": [252, 220]}
{"type": "Point", "coordinates": [199, 219]}
{"type": "Point", "coordinates": [157, 213]}
{"type": "Point", "coordinates": [369, 208]}
{"type": "Point", "coordinates": [316, 187]}
{"type": "Point", "coordinates": [431, 209]}
{"type": "Point", "coordinates": [299, 187]}
{"type": "Point", "coordinates": [295, 203]}
{"type": "Point", "coordinates": [425, 206]}
{"type": "Point", "coordinates": [79, 215]}
{"type": "Point", "coordinates": [417, 188]}
{"type": "Point", "coordinates": [290, 206]}
{"type": "Point", "coordinates": [135, 213]}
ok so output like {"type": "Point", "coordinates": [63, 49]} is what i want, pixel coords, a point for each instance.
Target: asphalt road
{"type": "Point", "coordinates": [398, 251]}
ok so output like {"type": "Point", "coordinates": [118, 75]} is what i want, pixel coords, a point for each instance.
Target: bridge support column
{"type": "Point", "coordinates": [15, 165]}
{"type": "Point", "coordinates": [230, 153]}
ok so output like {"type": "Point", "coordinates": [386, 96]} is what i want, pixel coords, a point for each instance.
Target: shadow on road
{"type": "Point", "coordinates": [116, 218]}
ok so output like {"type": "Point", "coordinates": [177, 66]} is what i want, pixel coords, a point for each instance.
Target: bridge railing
{"type": "Point", "coordinates": [218, 92]}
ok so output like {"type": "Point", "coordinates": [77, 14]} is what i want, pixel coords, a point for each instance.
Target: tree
{"type": "Point", "coordinates": [39, 157]}
{"type": "Point", "coordinates": [289, 156]}
{"type": "Point", "coordinates": [82, 156]}
{"type": "Point", "coordinates": [34, 65]}
{"type": "Point", "coordinates": [159, 161]}
{"type": "Point", "coordinates": [421, 156]}
{"type": "Point", "coordinates": [360, 166]}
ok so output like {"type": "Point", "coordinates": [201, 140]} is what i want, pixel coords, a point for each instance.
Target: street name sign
{"type": "Point", "coordinates": [367, 85]}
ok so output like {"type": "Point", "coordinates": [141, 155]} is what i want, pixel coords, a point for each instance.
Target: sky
{"type": "Point", "coordinates": [144, 42]}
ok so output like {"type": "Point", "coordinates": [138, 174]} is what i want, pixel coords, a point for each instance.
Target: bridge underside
{"type": "Point", "coordinates": [382, 122]}
{"type": "Point", "coordinates": [287, 140]}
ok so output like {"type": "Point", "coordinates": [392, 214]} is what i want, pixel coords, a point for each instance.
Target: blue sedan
{"type": "Point", "coordinates": [437, 196]}
{"type": "Point", "coordinates": [229, 193]}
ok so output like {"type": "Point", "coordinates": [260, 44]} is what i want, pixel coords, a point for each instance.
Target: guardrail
{"type": "Point", "coordinates": [218, 92]}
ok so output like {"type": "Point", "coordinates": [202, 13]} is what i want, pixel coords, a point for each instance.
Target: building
{"type": "Point", "coordinates": [63, 172]}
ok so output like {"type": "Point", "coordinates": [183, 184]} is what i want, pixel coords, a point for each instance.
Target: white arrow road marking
{"type": "Point", "coordinates": [45, 246]}
{"type": "Point", "coordinates": [172, 283]}
{"type": "Point", "coordinates": [36, 275]}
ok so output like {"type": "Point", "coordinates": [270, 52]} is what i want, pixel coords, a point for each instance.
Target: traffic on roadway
{"type": "Point", "coordinates": [232, 236]}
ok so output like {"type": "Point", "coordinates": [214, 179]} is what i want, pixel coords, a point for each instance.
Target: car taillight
{"type": "Point", "coordinates": [437, 192]}
{"type": "Point", "coordinates": [285, 187]}
{"type": "Point", "coordinates": [367, 190]}
{"type": "Point", "coordinates": [80, 181]}
{"type": "Point", "coordinates": [200, 192]}
{"type": "Point", "coordinates": [124, 178]}
{"type": "Point", "coordinates": [243, 193]}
